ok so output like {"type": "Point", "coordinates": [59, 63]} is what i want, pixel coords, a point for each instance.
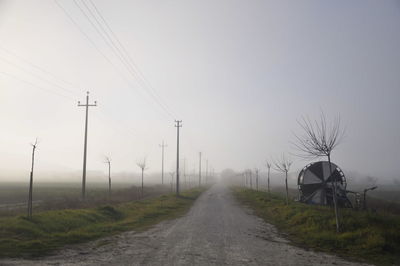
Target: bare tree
{"type": "Point", "coordinates": [269, 170]}
{"type": "Point", "coordinates": [108, 162]}
{"type": "Point", "coordinates": [34, 145]}
{"type": "Point", "coordinates": [320, 139]}
{"type": "Point", "coordinates": [283, 165]}
{"type": "Point", "coordinates": [142, 166]}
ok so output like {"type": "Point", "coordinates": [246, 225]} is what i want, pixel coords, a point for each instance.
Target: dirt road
{"type": "Point", "coordinates": [216, 231]}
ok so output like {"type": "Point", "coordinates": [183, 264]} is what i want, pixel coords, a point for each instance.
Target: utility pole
{"type": "Point", "coordinates": [207, 171]}
{"type": "Point", "coordinates": [172, 181]}
{"type": "Point", "coordinates": [162, 161]}
{"type": "Point", "coordinates": [31, 181]}
{"type": "Point", "coordinates": [251, 179]}
{"type": "Point", "coordinates": [87, 105]}
{"type": "Point", "coordinates": [108, 162]}
{"type": "Point", "coordinates": [184, 172]}
{"type": "Point", "coordinates": [177, 125]}
{"type": "Point", "coordinates": [199, 169]}
{"type": "Point", "coordinates": [256, 170]}
{"type": "Point", "coordinates": [269, 168]}
{"type": "Point", "coordinates": [193, 176]}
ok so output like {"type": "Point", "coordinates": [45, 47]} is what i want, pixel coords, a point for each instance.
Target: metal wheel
{"type": "Point", "coordinates": [315, 184]}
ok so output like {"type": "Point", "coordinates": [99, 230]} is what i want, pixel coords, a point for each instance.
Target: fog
{"type": "Point", "coordinates": [238, 73]}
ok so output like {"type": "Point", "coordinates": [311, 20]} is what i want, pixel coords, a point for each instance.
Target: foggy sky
{"type": "Point", "coordinates": [238, 73]}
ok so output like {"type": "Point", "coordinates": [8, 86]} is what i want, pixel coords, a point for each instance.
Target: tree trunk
{"type": "Point", "coordinates": [30, 199]}
{"type": "Point", "coordinates": [109, 180]}
{"type": "Point", "coordinates": [142, 184]}
{"type": "Point", "coordinates": [287, 190]}
{"type": "Point", "coordinates": [30, 196]}
{"type": "Point", "coordinates": [335, 205]}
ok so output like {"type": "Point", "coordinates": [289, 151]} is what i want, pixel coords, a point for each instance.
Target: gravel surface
{"type": "Point", "coordinates": [216, 231]}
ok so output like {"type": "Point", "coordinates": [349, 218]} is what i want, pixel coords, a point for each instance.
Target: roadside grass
{"type": "Point", "coordinates": [365, 236]}
{"type": "Point", "coordinates": [48, 196]}
{"type": "Point", "coordinates": [49, 230]}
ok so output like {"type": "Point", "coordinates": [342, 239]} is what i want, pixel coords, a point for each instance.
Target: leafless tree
{"type": "Point", "coordinates": [30, 197]}
{"type": "Point", "coordinates": [142, 166]}
{"type": "Point", "coordinates": [269, 170]}
{"type": "Point", "coordinates": [108, 162]}
{"type": "Point", "coordinates": [320, 139]}
{"type": "Point", "coordinates": [283, 165]}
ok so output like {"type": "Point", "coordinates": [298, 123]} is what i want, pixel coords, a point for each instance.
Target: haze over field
{"type": "Point", "coordinates": [238, 73]}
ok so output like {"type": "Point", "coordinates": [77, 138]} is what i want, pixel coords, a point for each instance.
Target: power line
{"type": "Point", "coordinates": [124, 58]}
{"type": "Point", "coordinates": [38, 67]}
{"type": "Point", "coordinates": [37, 76]}
{"type": "Point", "coordinates": [146, 82]}
{"type": "Point", "coordinates": [116, 51]}
{"type": "Point", "coordinates": [35, 85]}
{"type": "Point", "coordinates": [72, 20]}
{"type": "Point", "coordinates": [122, 126]}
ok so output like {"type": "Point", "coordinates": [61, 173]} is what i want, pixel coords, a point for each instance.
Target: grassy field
{"type": "Point", "coordinates": [56, 196]}
{"type": "Point", "coordinates": [366, 236]}
{"type": "Point", "coordinates": [49, 230]}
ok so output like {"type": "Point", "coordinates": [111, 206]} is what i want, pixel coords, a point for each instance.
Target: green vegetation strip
{"type": "Point", "coordinates": [371, 237]}
{"type": "Point", "coordinates": [47, 231]}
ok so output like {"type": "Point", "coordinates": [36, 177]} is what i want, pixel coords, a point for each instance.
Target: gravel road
{"type": "Point", "coordinates": [216, 231]}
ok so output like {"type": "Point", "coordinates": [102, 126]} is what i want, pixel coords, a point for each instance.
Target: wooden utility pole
{"type": "Point", "coordinates": [199, 169]}
{"type": "Point", "coordinates": [172, 181]}
{"type": "Point", "coordinates": [108, 161]}
{"type": "Point", "coordinates": [269, 169]}
{"type": "Point", "coordinates": [31, 181]}
{"type": "Point", "coordinates": [87, 105]}
{"type": "Point", "coordinates": [142, 166]}
{"type": "Point", "coordinates": [256, 170]}
{"type": "Point", "coordinates": [184, 172]}
{"type": "Point", "coordinates": [177, 125]}
{"type": "Point", "coordinates": [162, 161]}
{"type": "Point", "coordinates": [207, 171]}
{"type": "Point", "coordinates": [251, 179]}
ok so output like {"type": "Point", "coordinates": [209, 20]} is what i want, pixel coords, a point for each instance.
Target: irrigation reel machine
{"type": "Point", "coordinates": [315, 183]}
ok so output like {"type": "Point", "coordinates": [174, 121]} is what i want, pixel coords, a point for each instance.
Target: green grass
{"type": "Point", "coordinates": [47, 231]}
{"type": "Point", "coordinates": [365, 236]}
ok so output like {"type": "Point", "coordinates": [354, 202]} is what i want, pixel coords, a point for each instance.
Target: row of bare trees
{"type": "Point", "coordinates": [318, 139]}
